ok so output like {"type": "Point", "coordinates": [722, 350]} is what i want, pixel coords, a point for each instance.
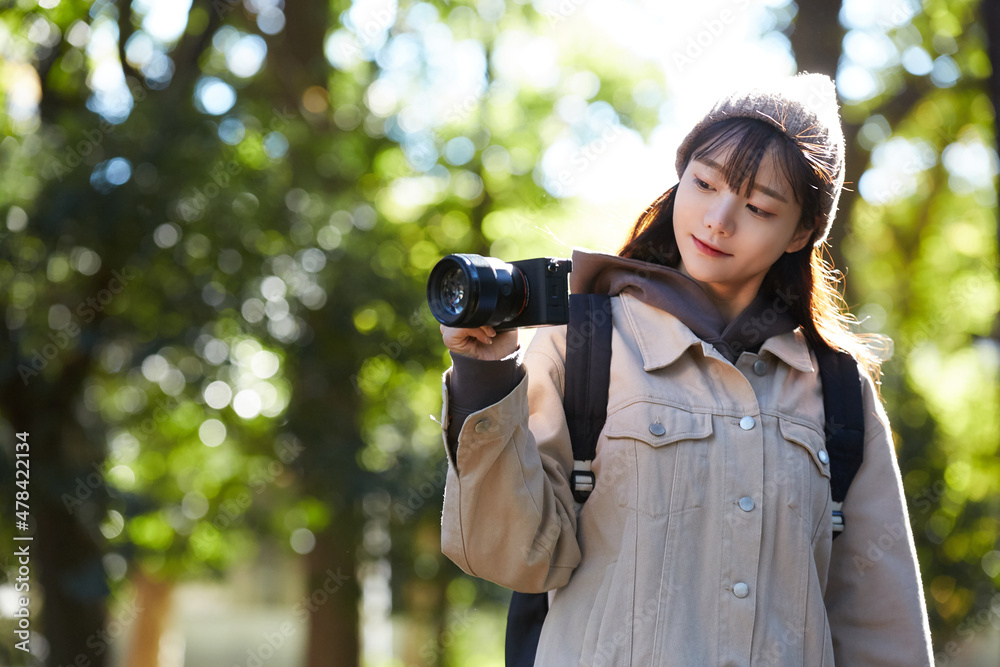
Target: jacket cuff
{"type": "Point", "coordinates": [475, 384]}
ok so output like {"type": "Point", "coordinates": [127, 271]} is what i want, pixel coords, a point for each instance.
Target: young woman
{"type": "Point", "coordinates": [708, 537]}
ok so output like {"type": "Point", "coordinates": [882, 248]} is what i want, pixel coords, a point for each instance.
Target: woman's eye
{"type": "Point", "coordinates": [758, 211]}
{"type": "Point", "coordinates": [701, 185]}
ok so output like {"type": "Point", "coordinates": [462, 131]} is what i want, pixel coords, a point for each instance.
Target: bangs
{"type": "Point", "coordinates": [747, 141]}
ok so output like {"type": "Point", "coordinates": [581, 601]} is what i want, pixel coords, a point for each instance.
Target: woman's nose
{"type": "Point", "coordinates": [720, 217]}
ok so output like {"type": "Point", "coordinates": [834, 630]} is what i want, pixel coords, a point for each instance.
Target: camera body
{"type": "Point", "coordinates": [466, 291]}
{"type": "Point", "coordinates": [547, 300]}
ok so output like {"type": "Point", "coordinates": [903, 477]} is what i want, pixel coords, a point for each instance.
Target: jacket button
{"type": "Point", "coordinates": [746, 503]}
{"type": "Point", "coordinates": [657, 429]}
{"type": "Point", "coordinates": [741, 590]}
{"type": "Point", "coordinates": [760, 367]}
{"type": "Point", "coordinates": [823, 456]}
{"type": "Point", "coordinates": [482, 426]}
{"type": "Point", "coordinates": [747, 423]}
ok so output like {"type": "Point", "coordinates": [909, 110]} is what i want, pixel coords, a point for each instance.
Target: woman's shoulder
{"type": "Point", "coordinates": [551, 341]}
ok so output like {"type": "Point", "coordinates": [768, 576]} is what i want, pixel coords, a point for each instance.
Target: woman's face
{"type": "Point", "coordinates": [728, 240]}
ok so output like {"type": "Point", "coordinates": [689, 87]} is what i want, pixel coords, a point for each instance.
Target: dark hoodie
{"type": "Point", "coordinates": [477, 384]}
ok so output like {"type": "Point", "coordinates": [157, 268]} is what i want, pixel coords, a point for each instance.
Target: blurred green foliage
{"type": "Point", "coordinates": [922, 258]}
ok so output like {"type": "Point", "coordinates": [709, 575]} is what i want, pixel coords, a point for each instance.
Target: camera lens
{"type": "Point", "coordinates": [454, 289]}
{"type": "Point", "coordinates": [467, 291]}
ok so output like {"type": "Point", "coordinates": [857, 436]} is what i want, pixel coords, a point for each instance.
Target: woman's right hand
{"type": "Point", "coordinates": [482, 343]}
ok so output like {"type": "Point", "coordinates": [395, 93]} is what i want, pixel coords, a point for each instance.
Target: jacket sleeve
{"type": "Point", "coordinates": [509, 514]}
{"type": "Point", "coordinates": [874, 596]}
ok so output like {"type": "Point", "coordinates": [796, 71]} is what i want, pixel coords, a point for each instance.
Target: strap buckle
{"type": "Point", "coordinates": [582, 481]}
{"type": "Point", "coordinates": [838, 518]}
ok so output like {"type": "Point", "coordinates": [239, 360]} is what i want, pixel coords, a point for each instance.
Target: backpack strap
{"type": "Point", "coordinates": [524, 627]}
{"type": "Point", "coordinates": [588, 374]}
{"type": "Point", "coordinates": [585, 401]}
{"type": "Point", "coordinates": [844, 426]}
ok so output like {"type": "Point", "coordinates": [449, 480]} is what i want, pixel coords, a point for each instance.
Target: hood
{"type": "Point", "coordinates": [670, 290]}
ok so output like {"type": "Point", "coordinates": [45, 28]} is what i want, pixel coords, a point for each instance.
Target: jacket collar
{"type": "Point", "coordinates": [662, 339]}
{"type": "Point", "coordinates": [791, 348]}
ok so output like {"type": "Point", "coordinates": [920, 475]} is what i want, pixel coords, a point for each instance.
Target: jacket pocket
{"type": "Point", "coordinates": [663, 452]}
{"type": "Point", "coordinates": [811, 440]}
{"type": "Point", "coordinates": [808, 465]}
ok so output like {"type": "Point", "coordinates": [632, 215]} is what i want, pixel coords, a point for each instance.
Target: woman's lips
{"type": "Point", "coordinates": [707, 249]}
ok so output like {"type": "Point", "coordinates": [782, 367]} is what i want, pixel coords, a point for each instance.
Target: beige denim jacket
{"type": "Point", "coordinates": [707, 539]}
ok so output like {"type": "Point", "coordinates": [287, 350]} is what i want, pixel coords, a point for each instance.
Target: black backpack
{"type": "Point", "coordinates": [585, 400]}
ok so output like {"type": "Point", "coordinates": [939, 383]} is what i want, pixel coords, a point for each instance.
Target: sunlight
{"type": "Point", "coordinates": [111, 97]}
{"type": "Point", "coordinates": [715, 47]}
{"type": "Point", "coordinates": [212, 432]}
{"type": "Point", "coordinates": [164, 20]}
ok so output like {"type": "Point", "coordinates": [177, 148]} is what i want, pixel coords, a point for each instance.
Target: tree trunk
{"type": "Point", "coordinates": [327, 467]}
{"type": "Point", "coordinates": [421, 628]}
{"type": "Point", "coordinates": [426, 604]}
{"type": "Point", "coordinates": [151, 609]}
{"type": "Point", "coordinates": [332, 597]}
{"type": "Point", "coordinates": [816, 42]}
{"type": "Point", "coordinates": [66, 549]}
{"type": "Point", "coordinates": [817, 37]}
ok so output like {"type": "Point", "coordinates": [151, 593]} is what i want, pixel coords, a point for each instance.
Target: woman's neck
{"type": "Point", "coordinates": [729, 303]}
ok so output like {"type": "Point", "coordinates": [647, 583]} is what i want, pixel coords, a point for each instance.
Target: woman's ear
{"type": "Point", "coordinates": [801, 237]}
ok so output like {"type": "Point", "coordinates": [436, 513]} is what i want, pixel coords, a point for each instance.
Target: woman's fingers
{"type": "Point", "coordinates": [478, 342]}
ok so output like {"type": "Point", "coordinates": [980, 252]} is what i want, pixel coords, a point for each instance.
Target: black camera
{"type": "Point", "coordinates": [469, 291]}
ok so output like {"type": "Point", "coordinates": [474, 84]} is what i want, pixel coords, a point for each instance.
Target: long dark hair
{"type": "Point", "coordinates": [822, 314]}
